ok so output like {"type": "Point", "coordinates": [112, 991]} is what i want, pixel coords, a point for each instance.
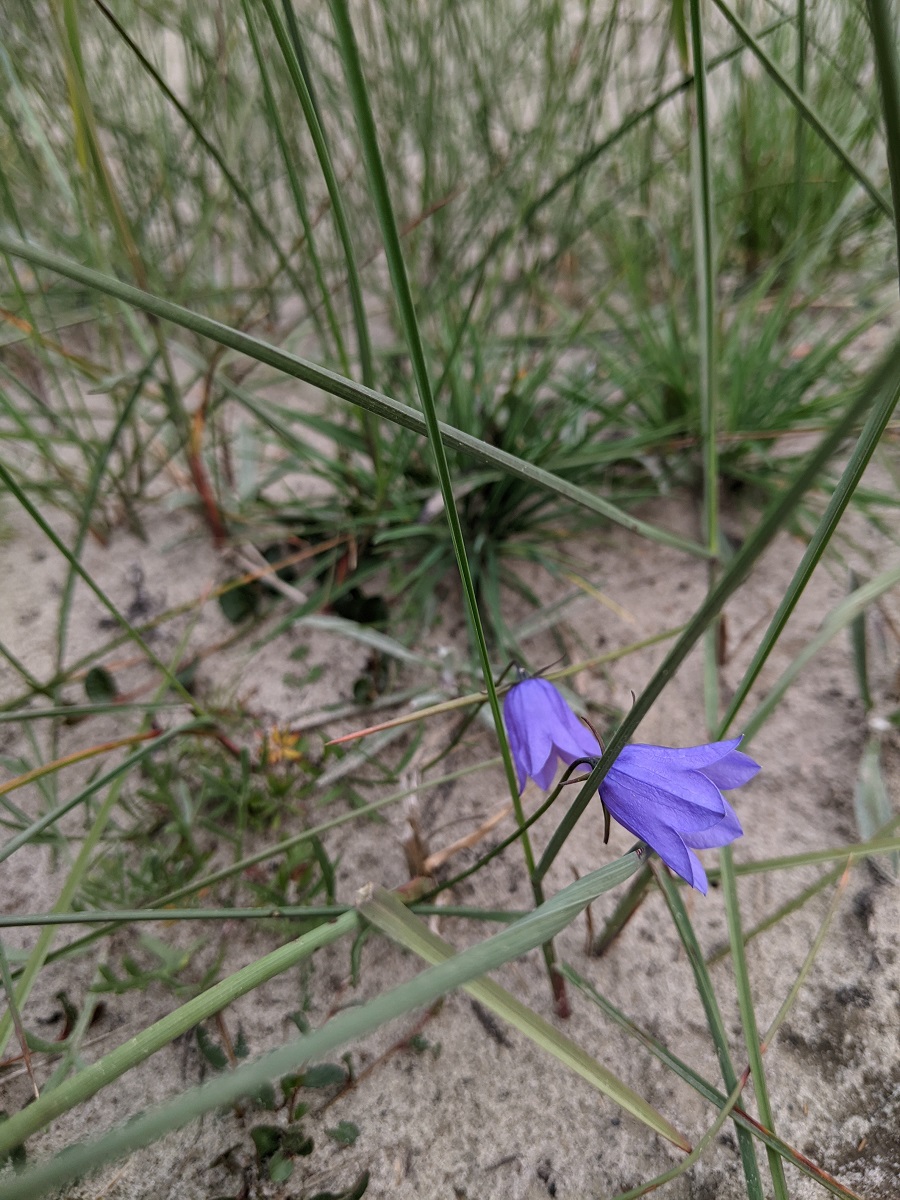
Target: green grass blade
{"type": "Point", "coordinates": [395, 920]}
{"type": "Point", "coordinates": [713, 1017]}
{"type": "Point", "coordinates": [748, 1016]}
{"type": "Point", "coordinates": [706, 286]}
{"type": "Point", "coordinates": [883, 19]}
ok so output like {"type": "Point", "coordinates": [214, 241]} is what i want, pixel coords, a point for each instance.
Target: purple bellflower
{"type": "Point", "coordinates": [671, 799]}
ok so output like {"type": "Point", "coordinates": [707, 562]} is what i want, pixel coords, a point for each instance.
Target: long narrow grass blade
{"type": "Point", "coordinates": [713, 1018]}
{"type": "Point", "coordinates": [748, 1016]}
{"type": "Point", "coordinates": [704, 255]}
{"type": "Point", "coordinates": [883, 19]}
{"type": "Point", "coordinates": [395, 920]}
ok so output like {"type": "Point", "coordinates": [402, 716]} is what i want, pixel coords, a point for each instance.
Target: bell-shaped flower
{"type": "Point", "coordinates": [541, 728]}
{"type": "Point", "coordinates": [671, 799]}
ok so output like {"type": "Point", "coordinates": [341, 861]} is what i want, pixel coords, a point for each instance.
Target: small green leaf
{"type": "Point", "coordinates": [100, 686]}
{"type": "Point", "coordinates": [239, 603]}
{"type": "Point", "coordinates": [324, 1075]}
{"type": "Point", "coordinates": [266, 1139]}
{"type": "Point", "coordinates": [214, 1055]}
{"type": "Point", "coordinates": [280, 1168]}
{"type": "Point", "coordinates": [299, 1019]}
{"type": "Point", "coordinates": [344, 1133]}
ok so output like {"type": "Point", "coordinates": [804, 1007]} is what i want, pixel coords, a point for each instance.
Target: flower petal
{"type": "Point", "coordinates": [540, 726]}
{"type": "Point", "coordinates": [690, 758]}
{"type": "Point", "coordinates": [720, 834]}
{"type": "Point", "coordinates": [687, 801]}
{"type": "Point", "coordinates": [669, 845]}
{"type": "Point", "coordinates": [732, 771]}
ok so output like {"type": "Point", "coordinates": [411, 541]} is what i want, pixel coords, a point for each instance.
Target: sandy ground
{"type": "Point", "coordinates": [480, 1112]}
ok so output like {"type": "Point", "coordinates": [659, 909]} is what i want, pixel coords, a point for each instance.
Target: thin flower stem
{"type": "Point", "coordinates": [288, 912]}
{"type": "Point", "coordinates": [371, 153]}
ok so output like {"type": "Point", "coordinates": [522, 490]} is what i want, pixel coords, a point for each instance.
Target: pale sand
{"type": "Point", "coordinates": [491, 1116]}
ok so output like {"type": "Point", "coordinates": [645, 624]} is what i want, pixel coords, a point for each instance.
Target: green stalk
{"type": "Point", "coordinates": [285, 912]}
{"type": "Point", "coordinates": [883, 19]}
{"type": "Point", "coordinates": [704, 245]}
{"type": "Point", "coordinates": [406, 309]}
{"type": "Point", "coordinates": [713, 1018]}
{"type": "Point", "coordinates": [748, 1016]}
{"type": "Point", "coordinates": [800, 127]}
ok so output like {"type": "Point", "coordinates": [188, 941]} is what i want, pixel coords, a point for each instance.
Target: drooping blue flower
{"type": "Point", "coordinates": [541, 728]}
{"type": "Point", "coordinates": [671, 799]}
